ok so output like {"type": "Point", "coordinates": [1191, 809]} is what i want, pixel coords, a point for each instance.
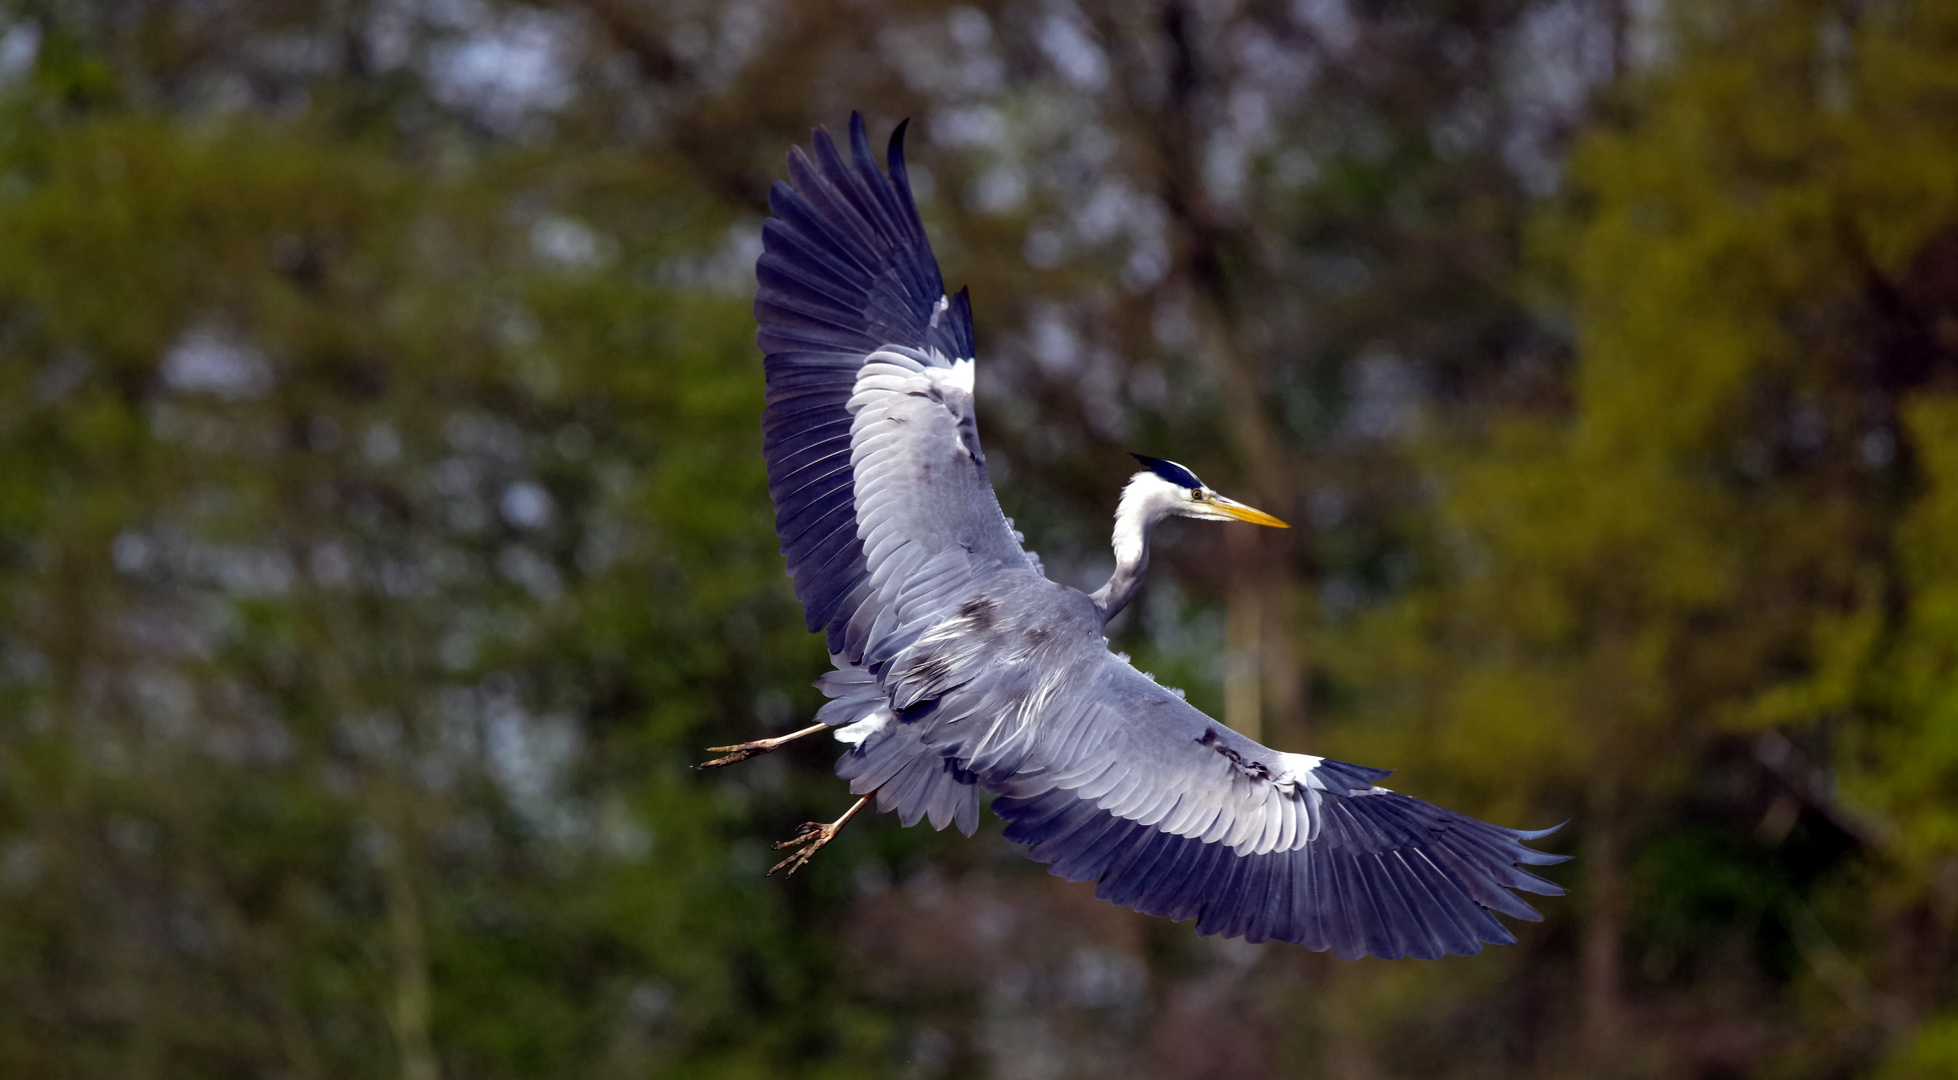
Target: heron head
{"type": "Point", "coordinates": [1177, 490]}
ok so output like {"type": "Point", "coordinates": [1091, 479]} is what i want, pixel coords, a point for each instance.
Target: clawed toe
{"type": "Point", "coordinates": [810, 839]}
{"type": "Point", "coordinates": [732, 754]}
{"type": "Point", "coordinates": [804, 834]}
{"type": "Point", "coordinates": [807, 840]}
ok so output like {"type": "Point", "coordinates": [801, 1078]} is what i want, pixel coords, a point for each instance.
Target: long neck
{"type": "Point", "coordinates": [1140, 509]}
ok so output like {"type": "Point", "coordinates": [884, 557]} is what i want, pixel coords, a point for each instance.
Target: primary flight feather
{"type": "Point", "coordinates": [960, 667]}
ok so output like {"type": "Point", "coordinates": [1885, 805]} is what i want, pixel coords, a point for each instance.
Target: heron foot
{"type": "Point", "coordinates": [746, 750]}
{"type": "Point", "coordinates": [807, 841]}
{"type": "Point", "coordinates": [810, 839]}
{"type": "Point", "coordinates": [738, 752]}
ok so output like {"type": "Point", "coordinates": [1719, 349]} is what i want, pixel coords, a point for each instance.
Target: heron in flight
{"type": "Point", "coordinates": [960, 668]}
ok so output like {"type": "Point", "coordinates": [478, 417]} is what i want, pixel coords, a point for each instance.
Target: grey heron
{"type": "Point", "coordinates": [960, 668]}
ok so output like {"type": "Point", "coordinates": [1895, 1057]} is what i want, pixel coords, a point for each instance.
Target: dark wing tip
{"type": "Point", "coordinates": [900, 178]}
{"type": "Point", "coordinates": [1169, 470]}
{"type": "Point", "coordinates": [1540, 858]}
{"type": "Point", "coordinates": [1538, 834]}
{"type": "Point", "coordinates": [960, 323]}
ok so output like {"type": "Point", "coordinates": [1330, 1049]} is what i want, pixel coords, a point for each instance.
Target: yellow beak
{"type": "Point", "coordinates": [1244, 513]}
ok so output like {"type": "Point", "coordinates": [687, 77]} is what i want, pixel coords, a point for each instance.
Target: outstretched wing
{"type": "Point", "coordinates": [872, 446]}
{"type": "Point", "coordinates": [882, 500]}
{"type": "Point", "coordinates": [1111, 778]}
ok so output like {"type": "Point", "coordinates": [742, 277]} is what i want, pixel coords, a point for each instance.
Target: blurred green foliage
{"type": "Point", "coordinates": [340, 706]}
{"type": "Point", "coordinates": [1728, 551]}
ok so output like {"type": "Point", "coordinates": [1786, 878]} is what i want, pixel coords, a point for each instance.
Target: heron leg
{"type": "Point", "coordinates": [811, 837]}
{"type": "Point", "coordinates": [746, 750]}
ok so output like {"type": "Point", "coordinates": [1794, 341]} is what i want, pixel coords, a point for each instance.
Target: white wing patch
{"type": "Point", "coordinates": [939, 309]}
{"type": "Point", "coordinates": [1296, 769]}
{"type": "Point", "coordinates": [961, 376]}
{"type": "Point", "coordinates": [858, 730]}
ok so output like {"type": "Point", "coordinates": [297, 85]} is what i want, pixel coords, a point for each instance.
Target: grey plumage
{"type": "Point", "coordinates": [959, 667]}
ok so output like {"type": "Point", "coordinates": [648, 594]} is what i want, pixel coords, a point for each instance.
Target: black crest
{"type": "Point", "coordinates": [1170, 471]}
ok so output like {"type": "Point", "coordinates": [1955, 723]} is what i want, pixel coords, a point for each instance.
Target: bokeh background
{"type": "Point", "coordinates": [383, 531]}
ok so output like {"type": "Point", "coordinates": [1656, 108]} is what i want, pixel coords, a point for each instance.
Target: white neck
{"type": "Point", "coordinates": [1146, 500]}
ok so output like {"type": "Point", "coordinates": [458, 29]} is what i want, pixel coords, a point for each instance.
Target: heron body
{"type": "Point", "coordinates": [960, 668]}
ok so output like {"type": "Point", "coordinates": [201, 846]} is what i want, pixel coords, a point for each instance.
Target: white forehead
{"type": "Point", "coordinates": [1146, 487]}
